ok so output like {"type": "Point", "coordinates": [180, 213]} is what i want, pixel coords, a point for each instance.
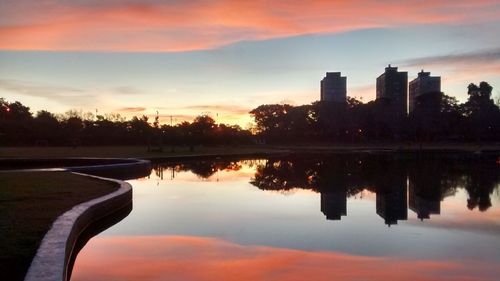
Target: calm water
{"type": "Point", "coordinates": [336, 218]}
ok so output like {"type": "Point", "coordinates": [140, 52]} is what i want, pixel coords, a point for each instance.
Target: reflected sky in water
{"type": "Point", "coordinates": [352, 218]}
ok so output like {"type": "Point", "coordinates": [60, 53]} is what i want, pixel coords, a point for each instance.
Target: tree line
{"type": "Point", "coordinates": [436, 117]}
{"type": "Point", "coordinates": [18, 126]}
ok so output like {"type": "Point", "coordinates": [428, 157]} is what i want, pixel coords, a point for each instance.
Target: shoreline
{"type": "Point", "coordinates": [124, 153]}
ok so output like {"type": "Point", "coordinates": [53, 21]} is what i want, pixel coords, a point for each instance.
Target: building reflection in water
{"type": "Point", "coordinates": [399, 184]}
{"type": "Point", "coordinates": [183, 231]}
{"type": "Point", "coordinates": [334, 203]}
{"type": "Point", "coordinates": [422, 205]}
{"type": "Point", "coordinates": [391, 202]}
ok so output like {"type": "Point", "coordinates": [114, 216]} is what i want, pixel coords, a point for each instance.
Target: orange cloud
{"type": "Point", "coordinates": [207, 259]}
{"type": "Point", "coordinates": [131, 109]}
{"type": "Point", "coordinates": [195, 25]}
{"type": "Point", "coordinates": [233, 109]}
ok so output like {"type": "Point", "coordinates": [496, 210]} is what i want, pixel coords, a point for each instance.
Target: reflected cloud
{"type": "Point", "coordinates": [459, 218]}
{"type": "Point", "coordinates": [195, 25]}
{"type": "Point", "coordinates": [200, 258]}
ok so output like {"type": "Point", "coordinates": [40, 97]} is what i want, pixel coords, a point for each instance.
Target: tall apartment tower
{"type": "Point", "coordinates": [423, 84]}
{"type": "Point", "coordinates": [392, 86]}
{"type": "Point", "coordinates": [334, 88]}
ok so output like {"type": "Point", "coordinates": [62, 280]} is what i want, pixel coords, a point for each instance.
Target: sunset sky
{"type": "Point", "coordinates": [184, 58]}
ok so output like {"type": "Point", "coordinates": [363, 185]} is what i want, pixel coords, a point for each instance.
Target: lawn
{"type": "Point", "coordinates": [29, 203]}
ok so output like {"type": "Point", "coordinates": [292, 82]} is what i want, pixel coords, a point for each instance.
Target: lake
{"type": "Point", "coordinates": [339, 217]}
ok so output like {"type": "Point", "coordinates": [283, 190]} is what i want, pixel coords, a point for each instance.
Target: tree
{"type": "Point", "coordinates": [203, 128]}
{"type": "Point", "coordinates": [47, 128]}
{"type": "Point", "coordinates": [482, 113]}
{"type": "Point", "coordinates": [15, 123]}
{"type": "Point", "coordinates": [271, 120]}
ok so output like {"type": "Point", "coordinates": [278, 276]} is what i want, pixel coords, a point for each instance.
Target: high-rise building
{"type": "Point", "coordinates": [423, 84]}
{"type": "Point", "coordinates": [334, 88]}
{"type": "Point", "coordinates": [392, 86]}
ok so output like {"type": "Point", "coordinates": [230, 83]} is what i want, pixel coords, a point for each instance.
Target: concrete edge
{"type": "Point", "coordinates": [128, 163]}
{"type": "Point", "coordinates": [133, 162]}
{"type": "Point", "coordinates": [53, 255]}
{"type": "Point", "coordinates": [190, 157]}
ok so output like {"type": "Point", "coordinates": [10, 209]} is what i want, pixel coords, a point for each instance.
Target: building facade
{"type": "Point", "coordinates": [423, 84]}
{"type": "Point", "coordinates": [334, 88]}
{"type": "Point", "coordinates": [392, 86]}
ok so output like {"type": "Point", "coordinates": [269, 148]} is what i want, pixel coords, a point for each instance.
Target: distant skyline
{"type": "Point", "coordinates": [224, 58]}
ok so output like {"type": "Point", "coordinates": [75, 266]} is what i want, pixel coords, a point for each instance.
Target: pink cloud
{"type": "Point", "coordinates": [131, 109]}
{"type": "Point", "coordinates": [195, 25]}
{"type": "Point", "coordinates": [207, 259]}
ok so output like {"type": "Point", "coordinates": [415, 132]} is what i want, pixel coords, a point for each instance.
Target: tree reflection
{"type": "Point", "coordinates": [480, 184]}
{"type": "Point", "coordinates": [203, 169]}
{"type": "Point", "coordinates": [418, 183]}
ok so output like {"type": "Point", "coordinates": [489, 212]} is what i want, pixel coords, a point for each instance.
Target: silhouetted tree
{"type": "Point", "coordinates": [47, 129]}
{"type": "Point", "coordinates": [15, 123]}
{"type": "Point", "coordinates": [271, 120]}
{"type": "Point", "coordinates": [202, 129]}
{"type": "Point", "coordinates": [482, 113]}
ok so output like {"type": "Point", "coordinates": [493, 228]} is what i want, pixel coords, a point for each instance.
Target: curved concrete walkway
{"type": "Point", "coordinates": [51, 260]}
{"type": "Point", "coordinates": [54, 253]}
{"type": "Point", "coordinates": [119, 168]}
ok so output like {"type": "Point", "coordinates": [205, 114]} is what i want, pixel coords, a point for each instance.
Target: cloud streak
{"type": "Point", "coordinates": [131, 109]}
{"type": "Point", "coordinates": [214, 109]}
{"type": "Point", "coordinates": [202, 24]}
{"type": "Point", "coordinates": [65, 95]}
{"type": "Point", "coordinates": [463, 66]}
{"type": "Point", "coordinates": [175, 257]}
{"type": "Point", "coordinates": [478, 57]}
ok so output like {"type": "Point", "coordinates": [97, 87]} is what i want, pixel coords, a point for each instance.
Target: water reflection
{"type": "Point", "coordinates": [203, 169]}
{"type": "Point", "coordinates": [399, 184]}
{"type": "Point", "coordinates": [265, 220]}
{"type": "Point", "coordinates": [207, 259]}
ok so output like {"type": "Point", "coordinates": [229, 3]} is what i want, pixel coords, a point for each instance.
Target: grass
{"type": "Point", "coordinates": [29, 203]}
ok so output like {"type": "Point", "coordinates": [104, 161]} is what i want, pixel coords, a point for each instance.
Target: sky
{"type": "Point", "coordinates": [224, 58]}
